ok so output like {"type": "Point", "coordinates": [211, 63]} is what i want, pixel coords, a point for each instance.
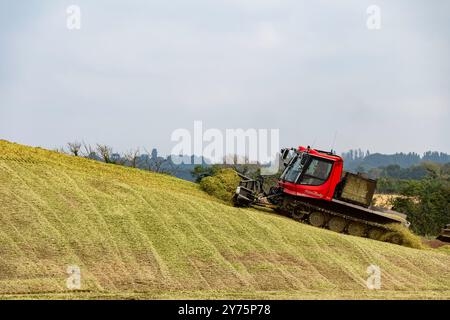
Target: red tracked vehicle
{"type": "Point", "coordinates": [315, 189]}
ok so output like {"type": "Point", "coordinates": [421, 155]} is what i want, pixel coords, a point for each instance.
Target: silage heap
{"type": "Point", "coordinates": [137, 234]}
{"type": "Point", "coordinates": [221, 185]}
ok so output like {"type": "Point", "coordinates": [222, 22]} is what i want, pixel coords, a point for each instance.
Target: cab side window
{"type": "Point", "coordinates": [317, 172]}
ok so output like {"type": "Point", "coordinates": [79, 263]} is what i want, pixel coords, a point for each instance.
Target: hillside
{"type": "Point", "coordinates": [137, 234]}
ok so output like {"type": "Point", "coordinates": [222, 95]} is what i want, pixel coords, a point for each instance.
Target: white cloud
{"type": "Point", "coordinates": [267, 36]}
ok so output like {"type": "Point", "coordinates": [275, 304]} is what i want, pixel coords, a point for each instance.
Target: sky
{"type": "Point", "coordinates": [138, 70]}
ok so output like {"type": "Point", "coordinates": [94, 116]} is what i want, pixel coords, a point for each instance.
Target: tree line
{"type": "Point", "coordinates": [424, 197]}
{"type": "Point", "coordinates": [358, 160]}
{"type": "Point", "coordinates": [133, 158]}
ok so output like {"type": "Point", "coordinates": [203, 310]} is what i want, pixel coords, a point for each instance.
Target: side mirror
{"type": "Point", "coordinates": [285, 156]}
{"type": "Point", "coordinates": [284, 153]}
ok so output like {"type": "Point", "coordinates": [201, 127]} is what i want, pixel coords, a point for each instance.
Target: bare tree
{"type": "Point", "coordinates": [157, 165]}
{"type": "Point", "coordinates": [74, 148]}
{"type": "Point", "coordinates": [88, 151]}
{"type": "Point", "coordinates": [105, 152]}
{"type": "Point", "coordinates": [132, 157]}
{"type": "Point", "coordinates": [241, 164]}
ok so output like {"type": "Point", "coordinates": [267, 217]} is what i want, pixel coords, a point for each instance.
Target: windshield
{"type": "Point", "coordinates": [293, 170]}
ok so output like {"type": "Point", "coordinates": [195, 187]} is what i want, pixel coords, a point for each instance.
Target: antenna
{"type": "Point", "coordinates": [334, 140]}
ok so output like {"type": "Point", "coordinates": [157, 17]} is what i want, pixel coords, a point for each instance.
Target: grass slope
{"type": "Point", "coordinates": [137, 234]}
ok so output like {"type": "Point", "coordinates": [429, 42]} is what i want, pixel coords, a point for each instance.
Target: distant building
{"type": "Point", "coordinates": [154, 154]}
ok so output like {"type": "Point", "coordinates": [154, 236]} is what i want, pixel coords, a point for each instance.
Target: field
{"type": "Point", "coordinates": [384, 200]}
{"type": "Point", "coordinates": [140, 235]}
